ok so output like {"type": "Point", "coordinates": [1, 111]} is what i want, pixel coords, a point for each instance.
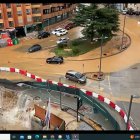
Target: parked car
{"type": "Point", "coordinates": [124, 12]}
{"type": "Point", "coordinates": [59, 32]}
{"type": "Point", "coordinates": [34, 48]}
{"type": "Point", "coordinates": [43, 34]}
{"type": "Point", "coordinates": [56, 30]}
{"type": "Point", "coordinates": [55, 60]}
{"type": "Point", "coordinates": [69, 26]}
{"type": "Point", "coordinates": [75, 76]}
{"type": "Point", "coordinates": [63, 40]}
{"type": "Point", "coordinates": [137, 13]}
{"type": "Point", "coordinates": [130, 12]}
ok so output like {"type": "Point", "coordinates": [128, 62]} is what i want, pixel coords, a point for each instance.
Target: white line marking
{"type": "Point", "coordinates": [109, 84]}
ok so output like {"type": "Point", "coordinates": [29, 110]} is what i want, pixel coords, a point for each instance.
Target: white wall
{"type": "Point", "coordinates": [4, 136]}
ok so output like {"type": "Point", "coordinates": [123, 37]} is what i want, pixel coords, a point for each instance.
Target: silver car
{"type": "Point", "coordinates": [76, 76]}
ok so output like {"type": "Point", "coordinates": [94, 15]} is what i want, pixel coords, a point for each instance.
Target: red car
{"type": "Point", "coordinates": [69, 26]}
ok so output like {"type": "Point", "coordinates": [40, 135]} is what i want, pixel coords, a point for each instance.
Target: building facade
{"type": "Point", "coordinates": [32, 15]}
{"type": "Point", "coordinates": [134, 6]}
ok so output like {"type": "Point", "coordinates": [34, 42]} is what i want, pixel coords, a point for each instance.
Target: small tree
{"type": "Point", "coordinates": [97, 21]}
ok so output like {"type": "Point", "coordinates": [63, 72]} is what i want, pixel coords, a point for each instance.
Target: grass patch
{"type": "Point", "coordinates": [78, 47]}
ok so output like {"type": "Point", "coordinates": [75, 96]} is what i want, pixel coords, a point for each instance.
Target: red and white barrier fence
{"type": "Point", "coordinates": [89, 93]}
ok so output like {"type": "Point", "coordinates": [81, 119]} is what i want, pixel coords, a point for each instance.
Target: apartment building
{"type": "Point", "coordinates": [134, 6]}
{"type": "Point", "coordinates": [30, 16]}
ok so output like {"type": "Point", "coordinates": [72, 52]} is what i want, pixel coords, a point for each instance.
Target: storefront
{"type": "Point", "coordinates": [33, 27]}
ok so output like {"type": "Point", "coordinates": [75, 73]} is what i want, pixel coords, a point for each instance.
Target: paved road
{"type": "Point", "coordinates": [135, 113]}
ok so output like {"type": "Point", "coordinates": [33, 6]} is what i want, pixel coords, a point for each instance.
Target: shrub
{"type": "Point", "coordinates": [76, 42]}
{"type": "Point", "coordinates": [75, 51]}
{"type": "Point", "coordinates": [60, 46]}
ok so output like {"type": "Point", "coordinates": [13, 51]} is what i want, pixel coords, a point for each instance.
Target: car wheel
{"type": "Point", "coordinates": [48, 62]}
{"type": "Point", "coordinates": [39, 37]}
{"type": "Point", "coordinates": [78, 82]}
{"type": "Point", "coordinates": [67, 78]}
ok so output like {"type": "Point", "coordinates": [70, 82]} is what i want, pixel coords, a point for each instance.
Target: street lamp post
{"type": "Point", "coordinates": [100, 66]}
{"type": "Point", "coordinates": [130, 104]}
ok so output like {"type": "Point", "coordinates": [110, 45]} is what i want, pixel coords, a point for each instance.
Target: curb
{"type": "Point", "coordinates": [88, 93]}
{"type": "Point", "coordinates": [95, 76]}
{"type": "Point", "coordinates": [108, 55]}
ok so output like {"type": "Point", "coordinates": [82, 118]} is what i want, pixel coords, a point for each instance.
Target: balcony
{"type": "Point", "coordinates": [28, 4]}
{"type": "Point", "coordinates": [36, 5]}
{"type": "Point", "coordinates": [36, 12]}
{"type": "Point", "coordinates": [18, 5]}
{"type": "Point", "coordinates": [8, 5]}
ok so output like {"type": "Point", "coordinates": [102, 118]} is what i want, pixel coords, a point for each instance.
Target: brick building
{"type": "Point", "coordinates": [32, 15]}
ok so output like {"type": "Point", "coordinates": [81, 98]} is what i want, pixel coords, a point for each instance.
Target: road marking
{"type": "Point", "coordinates": [109, 84]}
{"type": "Point", "coordinates": [130, 118]}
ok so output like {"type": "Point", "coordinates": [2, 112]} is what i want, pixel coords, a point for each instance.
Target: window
{"type": "Point", "coordinates": [11, 24]}
{"type": "Point", "coordinates": [19, 13]}
{"type": "Point", "coordinates": [58, 18]}
{"type": "Point", "coordinates": [9, 14]}
{"type": "Point", "coordinates": [8, 5]}
{"type": "Point", "coordinates": [1, 25]}
{"type": "Point", "coordinates": [0, 16]}
{"type": "Point", "coordinates": [61, 7]}
{"type": "Point", "coordinates": [29, 19]}
{"type": "Point", "coordinates": [28, 11]}
{"type": "Point", "coordinates": [52, 9]}
{"type": "Point", "coordinates": [36, 11]}
{"type": "Point", "coordinates": [64, 15]}
{"type": "Point", "coordinates": [46, 11]}
{"type": "Point", "coordinates": [18, 5]}
{"type": "Point", "coordinates": [37, 19]}
{"type": "Point", "coordinates": [27, 4]}
{"type": "Point", "coordinates": [45, 22]}
{"type": "Point", "coordinates": [20, 20]}
{"type": "Point", "coordinates": [52, 20]}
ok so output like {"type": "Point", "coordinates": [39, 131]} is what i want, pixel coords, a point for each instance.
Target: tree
{"type": "Point", "coordinates": [97, 21]}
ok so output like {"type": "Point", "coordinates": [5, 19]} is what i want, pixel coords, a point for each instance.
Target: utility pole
{"type": "Point", "coordinates": [100, 66]}
{"type": "Point", "coordinates": [129, 110]}
{"type": "Point", "coordinates": [83, 68]}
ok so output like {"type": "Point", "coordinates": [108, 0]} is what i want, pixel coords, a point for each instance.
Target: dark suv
{"type": "Point", "coordinates": [76, 76]}
{"type": "Point", "coordinates": [34, 48]}
{"type": "Point", "coordinates": [43, 34]}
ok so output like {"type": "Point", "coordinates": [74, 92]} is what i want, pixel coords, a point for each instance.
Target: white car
{"type": "Point", "coordinates": [63, 40]}
{"type": "Point", "coordinates": [124, 12]}
{"type": "Point", "coordinates": [56, 30]}
{"type": "Point", "coordinates": [60, 32]}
